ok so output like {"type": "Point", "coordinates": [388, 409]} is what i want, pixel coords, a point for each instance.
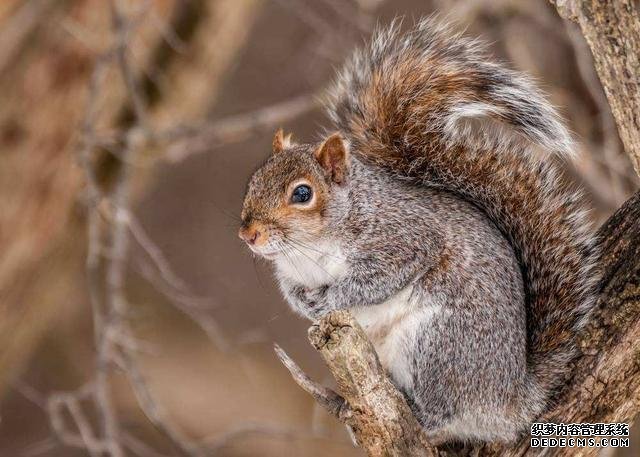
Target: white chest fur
{"type": "Point", "coordinates": [313, 266]}
{"type": "Point", "coordinates": [387, 325]}
{"type": "Point", "coordinates": [392, 325]}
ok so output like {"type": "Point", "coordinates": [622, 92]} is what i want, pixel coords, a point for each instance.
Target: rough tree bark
{"type": "Point", "coordinates": [605, 386]}
{"type": "Point", "coordinates": [613, 34]}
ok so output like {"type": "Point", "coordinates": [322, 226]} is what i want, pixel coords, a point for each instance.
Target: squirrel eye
{"type": "Point", "coordinates": [301, 194]}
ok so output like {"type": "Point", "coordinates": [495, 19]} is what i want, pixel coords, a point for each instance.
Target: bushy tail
{"type": "Point", "coordinates": [423, 105]}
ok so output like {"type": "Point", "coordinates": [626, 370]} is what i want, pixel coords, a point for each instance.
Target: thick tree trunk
{"type": "Point", "coordinates": [612, 30]}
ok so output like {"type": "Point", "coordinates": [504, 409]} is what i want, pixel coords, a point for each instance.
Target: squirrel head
{"type": "Point", "coordinates": [293, 197]}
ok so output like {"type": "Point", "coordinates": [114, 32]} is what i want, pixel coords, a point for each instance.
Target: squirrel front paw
{"type": "Point", "coordinates": [313, 301]}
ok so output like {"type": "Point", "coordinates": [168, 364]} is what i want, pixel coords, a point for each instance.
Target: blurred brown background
{"type": "Point", "coordinates": [204, 313]}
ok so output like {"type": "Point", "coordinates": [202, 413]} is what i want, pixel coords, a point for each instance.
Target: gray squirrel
{"type": "Point", "coordinates": [436, 215]}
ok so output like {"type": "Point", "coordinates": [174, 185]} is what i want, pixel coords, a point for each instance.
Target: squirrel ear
{"type": "Point", "coordinates": [280, 141]}
{"type": "Point", "coordinates": [333, 156]}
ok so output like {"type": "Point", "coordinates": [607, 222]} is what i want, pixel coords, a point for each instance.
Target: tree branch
{"type": "Point", "coordinates": [373, 409]}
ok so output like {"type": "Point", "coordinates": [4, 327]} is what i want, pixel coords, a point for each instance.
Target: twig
{"type": "Point", "coordinates": [102, 391]}
{"type": "Point", "coordinates": [188, 141]}
{"type": "Point", "coordinates": [168, 33]}
{"type": "Point", "coordinates": [85, 438]}
{"type": "Point", "coordinates": [31, 394]}
{"type": "Point", "coordinates": [152, 409]}
{"type": "Point", "coordinates": [331, 401]}
{"type": "Point", "coordinates": [121, 29]}
{"type": "Point", "coordinates": [91, 442]}
{"type": "Point", "coordinates": [155, 253]}
{"type": "Point", "coordinates": [188, 306]}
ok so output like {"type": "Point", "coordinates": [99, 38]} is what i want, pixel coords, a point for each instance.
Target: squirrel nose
{"type": "Point", "coordinates": [249, 235]}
